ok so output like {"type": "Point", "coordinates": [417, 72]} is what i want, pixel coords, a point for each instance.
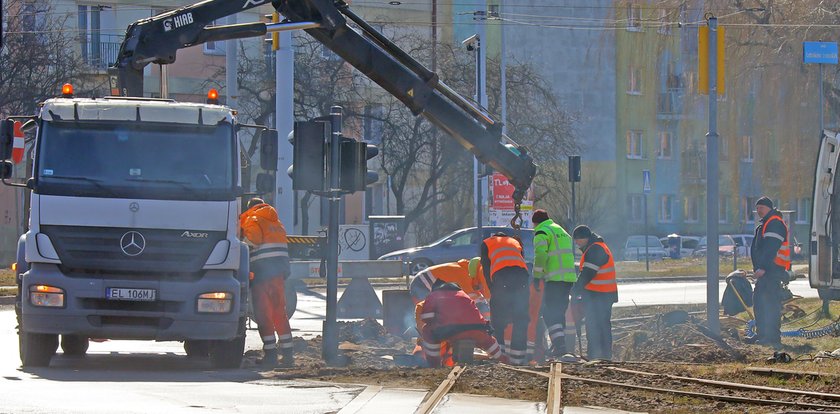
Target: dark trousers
{"type": "Point", "coordinates": [509, 305]}
{"type": "Point", "coordinates": [767, 300]}
{"type": "Point", "coordinates": [597, 309]}
{"type": "Point", "coordinates": [555, 302]}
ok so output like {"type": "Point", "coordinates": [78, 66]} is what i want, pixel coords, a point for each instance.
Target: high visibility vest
{"type": "Point", "coordinates": [782, 258]}
{"type": "Point", "coordinates": [504, 252]}
{"type": "Point", "coordinates": [458, 273]}
{"type": "Point", "coordinates": [554, 259]}
{"type": "Point", "coordinates": [604, 280]}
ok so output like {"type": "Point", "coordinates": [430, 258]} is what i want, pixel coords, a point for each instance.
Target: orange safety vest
{"type": "Point", "coordinates": [504, 252]}
{"type": "Point", "coordinates": [782, 258]}
{"type": "Point", "coordinates": [604, 280]}
{"type": "Point", "coordinates": [458, 273]}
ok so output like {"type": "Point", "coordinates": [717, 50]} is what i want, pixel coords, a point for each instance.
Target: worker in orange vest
{"type": "Point", "coordinates": [503, 263]}
{"type": "Point", "coordinates": [596, 287]}
{"type": "Point", "coordinates": [269, 260]}
{"type": "Point", "coordinates": [465, 273]}
{"type": "Point", "coordinates": [770, 253]}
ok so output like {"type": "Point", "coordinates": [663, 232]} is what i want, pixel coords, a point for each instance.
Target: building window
{"type": "Point", "coordinates": [664, 24]}
{"type": "Point", "coordinates": [803, 211]}
{"type": "Point", "coordinates": [215, 48]}
{"type": "Point", "coordinates": [747, 209]}
{"type": "Point", "coordinates": [634, 81]}
{"type": "Point", "coordinates": [636, 204]}
{"type": "Point", "coordinates": [691, 209]}
{"type": "Point", "coordinates": [723, 149]}
{"type": "Point", "coordinates": [723, 210]}
{"type": "Point", "coordinates": [635, 143]}
{"type": "Point", "coordinates": [664, 147]}
{"type": "Point", "coordinates": [373, 123]}
{"type": "Point", "coordinates": [747, 148]}
{"type": "Point", "coordinates": [666, 208]}
{"type": "Point", "coordinates": [634, 17]}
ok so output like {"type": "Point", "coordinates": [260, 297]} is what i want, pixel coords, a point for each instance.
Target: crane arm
{"type": "Point", "coordinates": [333, 23]}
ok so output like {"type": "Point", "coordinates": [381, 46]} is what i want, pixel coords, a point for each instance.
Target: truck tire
{"type": "Point", "coordinates": [74, 345]}
{"type": "Point", "coordinates": [197, 348]}
{"type": "Point", "coordinates": [227, 354]}
{"type": "Point", "coordinates": [36, 350]}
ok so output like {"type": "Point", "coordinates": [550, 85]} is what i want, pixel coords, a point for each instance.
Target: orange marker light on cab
{"type": "Point", "coordinates": [67, 90]}
{"type": "Point", "coordinates": [213, 96]}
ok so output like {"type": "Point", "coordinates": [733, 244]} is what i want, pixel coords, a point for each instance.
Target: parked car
{"type": "Point", "coordinates": [726, 246]}
{"type": "Point", "coordinates": [688, 244]}
{"type": "Point", "coordinates": [634, 248]}
{"type": "Point", "coordinates": [460, 244]}
{"type": "Point", "coordinates": [744, 242]}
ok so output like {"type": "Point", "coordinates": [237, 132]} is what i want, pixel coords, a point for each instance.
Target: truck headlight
{"type": "Point", "coordinates": [215, 302]}
{"type": "Point", "coordinates": [47, 296]}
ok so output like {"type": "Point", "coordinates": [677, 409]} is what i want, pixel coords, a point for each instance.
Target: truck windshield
{"type": "Point", "coordinates": [132, 160]}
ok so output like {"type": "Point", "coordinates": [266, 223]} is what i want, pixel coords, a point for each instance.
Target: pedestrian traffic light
{"type": "Point", "coordinates": [308, 170]}
{"type": "Point", "coordinates": [354, 174]}
{"type": "Point", "coordinates": [268, 150]}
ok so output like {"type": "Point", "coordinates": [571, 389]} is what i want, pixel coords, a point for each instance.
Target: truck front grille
{"type": "Point", "coordinates": [102, 248]}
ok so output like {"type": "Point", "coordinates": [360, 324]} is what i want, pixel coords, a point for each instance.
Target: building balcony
{"type": "Point", "coordinates": [100, 51]}
{"type": "Point", "coordinates": [669, 105]}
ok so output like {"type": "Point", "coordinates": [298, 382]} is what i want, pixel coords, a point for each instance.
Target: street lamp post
{"type": "Point", "coordinates": [473, 43]}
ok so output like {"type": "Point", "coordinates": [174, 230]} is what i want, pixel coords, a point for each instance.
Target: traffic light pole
{"type": "Point", "coordinates": [712, 263]}
{"type": "Point", "coordinates": [330, 345]}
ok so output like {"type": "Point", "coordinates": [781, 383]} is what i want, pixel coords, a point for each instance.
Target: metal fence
{"type": "Point", "coordinates": [100, 50]}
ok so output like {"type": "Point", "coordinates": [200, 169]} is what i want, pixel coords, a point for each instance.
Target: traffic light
{"type": "Point", "coordinates": [354, 174]}
{"type": "Point", "coordinates": [268, 150]}
{"type": "Point", "coordinates": [574, 168]}
{"type": "Point", "coordinates": [308, 170]}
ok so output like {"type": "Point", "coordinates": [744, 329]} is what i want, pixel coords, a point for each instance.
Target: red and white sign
{"type": "Point", "coordinates": [18, 144]}
{"type": "Point", "coordinates": [502, 192]}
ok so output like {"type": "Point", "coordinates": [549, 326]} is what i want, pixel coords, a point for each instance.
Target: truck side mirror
{"type": "Point", "coordinates": [7, 137]}
{"type": "Point", "coordinates": [265, 183]}
{"type": "Point", "coordinates": [268, 150]}
{"type": "Point", "coordinates": [6, 168]}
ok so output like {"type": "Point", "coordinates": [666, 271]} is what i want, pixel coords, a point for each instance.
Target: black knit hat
{"type": "Point", "coordinates": [765, 201]}
{"type": "Point", "coordinates": [582, 232]}
{"type": "Point", "coordinates": [539, 216]}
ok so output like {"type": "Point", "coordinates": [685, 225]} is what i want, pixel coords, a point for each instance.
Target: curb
{"type": "Point", "coordinates": [7, 300]}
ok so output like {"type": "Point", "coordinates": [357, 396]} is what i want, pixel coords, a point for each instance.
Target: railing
{"type": "Point", "coordinates": [100, 51]}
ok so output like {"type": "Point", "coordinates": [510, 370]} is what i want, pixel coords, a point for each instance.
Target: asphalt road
{"type": "Point", "coordinates": [140, 377]}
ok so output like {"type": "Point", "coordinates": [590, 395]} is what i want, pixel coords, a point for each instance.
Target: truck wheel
{"type": "Point", "coordinates": [74, 345]}
{"type": "Point", "coordinates": [36, 350]}
{"type": "Point", "coordinates": [291, 297]}
{"type": "Point", "coordinates": [227, 354]}
{"type": "Point", "coordinates": [197, 349]}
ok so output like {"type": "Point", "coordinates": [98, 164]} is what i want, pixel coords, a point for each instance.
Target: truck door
{"type": "Point", "coordinates": [825, 224]}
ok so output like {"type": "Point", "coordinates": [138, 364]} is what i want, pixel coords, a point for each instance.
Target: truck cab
{"type": "Point", "coordinates": [132, 230]}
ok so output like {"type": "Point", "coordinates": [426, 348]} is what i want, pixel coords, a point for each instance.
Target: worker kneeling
{"type": "Point", "coordinates": [448, 314]}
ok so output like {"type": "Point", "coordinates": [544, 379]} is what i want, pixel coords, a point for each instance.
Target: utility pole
{"type": "Point", "coordinates": [284, 74]}
{"type": "Point", "coordinates": [712, 212]}
{"type": "Point", "coordinates": [481, 98]}
{"type": "Point", "coordinates": [231, 68]}
{"type": "Point", "coordinates": [330, 345]}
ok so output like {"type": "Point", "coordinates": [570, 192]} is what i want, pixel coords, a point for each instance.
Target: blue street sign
{"type": "Point", "coordinates": [646, 181]}
{"type": "Point", "coordinates": [819, 52]}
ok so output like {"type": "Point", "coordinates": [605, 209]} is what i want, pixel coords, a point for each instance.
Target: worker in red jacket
{"type": "Point", "coordinates": [450, 315]}
{"type": "Point", "coordinates": [269, 259]}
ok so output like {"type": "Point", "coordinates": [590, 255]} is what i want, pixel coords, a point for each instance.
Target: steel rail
{"type": "Point", "coordinates": [716, 397]}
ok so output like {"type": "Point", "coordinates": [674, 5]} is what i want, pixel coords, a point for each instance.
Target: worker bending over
{"type": "Point", "coordinates": [448, 314]}
{"type": "Point", "coordinates": [465, 273]}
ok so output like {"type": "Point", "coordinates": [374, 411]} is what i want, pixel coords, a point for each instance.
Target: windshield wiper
{"type": "Point", "coordinates": [96, 182]}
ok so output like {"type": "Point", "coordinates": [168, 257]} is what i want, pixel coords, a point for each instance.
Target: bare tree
{"type": "Point", "coordinates": [38, 56]}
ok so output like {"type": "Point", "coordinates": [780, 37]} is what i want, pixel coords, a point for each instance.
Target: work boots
{"type": "Point", "coordinates": [288, 360]}
{"type": "Point", "coordinates": [269, 358]}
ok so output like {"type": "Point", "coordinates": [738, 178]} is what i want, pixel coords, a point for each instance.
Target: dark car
{"type": "Point", "coordinates": [460, 244]}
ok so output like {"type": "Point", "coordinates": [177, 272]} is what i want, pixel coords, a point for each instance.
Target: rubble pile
{"type": "Point", "coordinates": [677, 340]}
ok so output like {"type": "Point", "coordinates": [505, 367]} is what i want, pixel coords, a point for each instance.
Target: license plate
{"type": "Point", "coordinates": [131, 294]}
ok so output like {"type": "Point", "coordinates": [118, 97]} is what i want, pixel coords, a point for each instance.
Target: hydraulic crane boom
{"type": "Point", "coordinates": [157, 39]}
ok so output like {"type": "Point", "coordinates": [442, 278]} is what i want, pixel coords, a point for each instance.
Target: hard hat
{"type": "Point", "coordinates": [475, 262]}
